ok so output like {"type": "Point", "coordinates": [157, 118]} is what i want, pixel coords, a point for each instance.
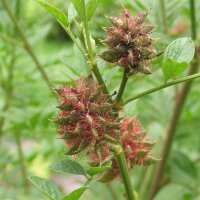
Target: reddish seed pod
{"type": "Point", "coordinates": [137, 148]}
{"type": "Point", "coordinates": [128, 40]}
{"type": "Point", "coordinates": [86, 119]}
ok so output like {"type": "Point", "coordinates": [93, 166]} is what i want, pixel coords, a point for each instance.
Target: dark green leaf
{"type": "Point", "coordinates": [76, 194]}
{"type": "Point", "coordinates": [91, 7]}
{"type": "Point", "coordinates": [46, 187]}
{"type": "Point", "coordinates": [68, 166]}
{"type": "Point", "coordinates": [58, 14]}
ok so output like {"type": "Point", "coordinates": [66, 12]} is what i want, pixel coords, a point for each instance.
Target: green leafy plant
{"type": "Point", "coordinates": [92, 120]}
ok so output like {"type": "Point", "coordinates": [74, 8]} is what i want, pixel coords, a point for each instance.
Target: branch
{"type": "Point", "coordinates": [159, 87]}
{"type": "Point", "coordinates": [26, 43]}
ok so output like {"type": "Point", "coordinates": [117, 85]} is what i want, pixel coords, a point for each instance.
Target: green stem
{"type": "Point", "coordinates": [26, 43]}
{"type": "Point", "coordinates": [8, 89]}
{"type": "Point", "coordinates": [164, 15]}
{"type": "Point", "coordinates": [22, 162]}
{"type": "Point", "coordinates": [122, 86]}
{"type": "Point", "coordinates": [76, 42]}
{"type": "Point", "coordinates": [159, 87]}
{"type": "Point", "coordinates": [193, 20]}
{"type": "Point", "coordinates": [94, 67]}
{"type": "Point", "coordinates": [121, 160]}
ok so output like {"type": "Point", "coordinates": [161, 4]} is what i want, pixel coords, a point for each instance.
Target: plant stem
{"type": "Point", "coordinates": [94, 67]}
{"type": "Point", "coordinates": [176, 115]}
{"type": "Point", "coordinates": [22, 162]}
{"type": "Point", "coordinates": [121, 160]}
{"type": "Point", "coordinates": [159, 87]}
{"type": "Point", "coordinates": [164, 16]}
{"type": "Point", "coordinates": [122, 86]}
{"type": "Point", "coordinates": [193, 20]}
{"type": "Point", "coordinates": [8, 91]}
{"type": "Point", "coordinates": [112, 192]}
{"type": "Point", "coordinates": [75, 41]}
{"type": "Point", "coordinates": [26, 43]}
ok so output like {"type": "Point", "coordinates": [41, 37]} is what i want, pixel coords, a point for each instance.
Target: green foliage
{"type": "Point", "coordinates": [177, 57]}
{"type": "Point", "coordinates": [46, 187]}
{"type": "Point", "coordinates": [173, 192]}
{"type": "Point", "coordinates": [79, 5]}
{"type": "Point", "coordinates": [68, 166]}
{"type": "Point", "coordinates": [95, 170]}
{"type": "Point", "coordinates": [76, 194]}
{"type": "Point", "coordinates": [91, 7]}
{"type": "Point", "coordinates": [31, 102]}
{"type": "Point", "coordinates": [58, 14]}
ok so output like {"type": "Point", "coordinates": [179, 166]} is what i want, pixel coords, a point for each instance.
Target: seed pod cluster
{"type": "Point", "coordinates": [86, 119]}
{"type": "Point", "coordinates": [136, 145]}
{"type": "Point", "coordinates": [129, 43]}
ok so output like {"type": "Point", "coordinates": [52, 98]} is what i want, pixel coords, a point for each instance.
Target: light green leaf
{"type": "Point", "coordinates": [95, 170]}
{"type": "Point", "coordinates": [68, 166]}
{"type": "Point", "coordinates": [172, 192]}
{"type": "Point", "coordinates": [183, 170]}
{"type": "Point", "coordinates": [58, 14]}
{"type": "Point", "coordinates": [71, 13]}
{"type": "Point", "coordinates": [177, 57]}
{"type": "Point", "coordinates": [46, 187]}
{"type": "Point", "coordinates": [91, 7]}
{"type": "Point", "coordinates": [79, 5]}
{"type": "Point", "coordinates": [171, 68]}
{"type": "Point", "coordinates": [76, 194]}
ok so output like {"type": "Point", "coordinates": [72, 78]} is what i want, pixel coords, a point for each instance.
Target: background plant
{"type": "Point", "coordinates": [24, 121]}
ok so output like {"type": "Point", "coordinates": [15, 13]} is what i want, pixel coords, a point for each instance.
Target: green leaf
{"type": "Point", "coordinates": [79, 5]}
{"type": "Point", "coordinates": [71, 13]}
{"type": "Point", "coordinates": [46, 187]}
{"type": "Point", "coordinates": [172, 192]}
{"type": "Point", "coordinates": [68, 166]}
{"type": "Point", "coordinates": [177, 57]}
{"type": "Point", "coordinates": [76, 194]}
{"type": "Point", "coordinates": [91, 7]}
{"type": "Point", "coordinates": [183, 169]}
{"type": "Point", "coordinates": [95, 170]}
{"type": "Point", "coordinates": [171, 68]}
{"type": "Point", "coordinates": [58, 14]}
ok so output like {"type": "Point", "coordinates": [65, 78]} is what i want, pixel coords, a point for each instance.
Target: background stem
{"type": "Point", "coordinates": [26, 43]}
{"type": "Point", "coordinates": [164, 16]}
{"type": "Point", "coordinates": [22, 162]}
{"type": "Point", "coordinates": [176, 115]}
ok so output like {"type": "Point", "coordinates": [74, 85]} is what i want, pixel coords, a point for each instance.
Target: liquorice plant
{"type": "Point", "coordinates": [91, 121]}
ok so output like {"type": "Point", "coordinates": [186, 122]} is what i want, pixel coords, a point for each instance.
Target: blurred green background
{"type": "Point", "coordinates": [28, 140]}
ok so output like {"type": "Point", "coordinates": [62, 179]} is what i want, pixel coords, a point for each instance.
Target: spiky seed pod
{"type": "Point", "coordinates": [86, 119]}
{"type": "Point", "coordinates": [137, 148]}
{"type": "Point", "coordinates": [137, 145]}
{"type": "Point", "coordinates": [129, 42]}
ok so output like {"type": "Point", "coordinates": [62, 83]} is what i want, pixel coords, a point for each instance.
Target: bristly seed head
{"type": "Point", "coordinates": [85, 119]}
{"type": "Point", "coordinates": [129, 43]}
{"type": "Point", "coordinates": [137, 148]}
